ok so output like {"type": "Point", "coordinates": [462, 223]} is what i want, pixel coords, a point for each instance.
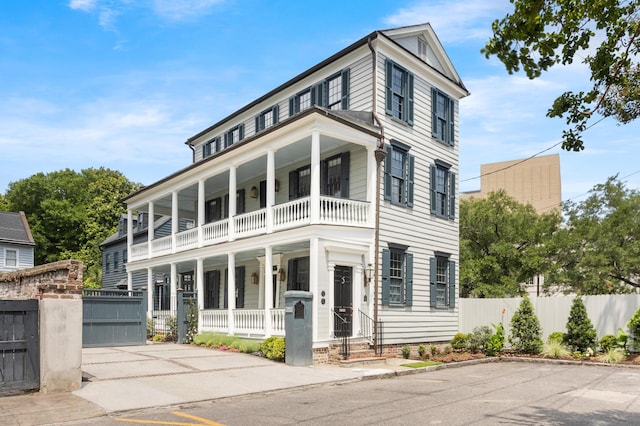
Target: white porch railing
{"type": "Point", "coordinates": [161, 246]}
{"type": "Point", "coordinates": [247, 321]}
{"type": "Point", "coordinates": [333, 211]}
{"type": "Point", "coordinates": [187, 239]}
{"type": "Point", "coordinates": [215, 232]}
{"type": "Point", "coordinates": [341, 211]}
{"type": "Point", "coordinates": [291, 214]}
{"type": "Point", "coordinates": [252, 223]}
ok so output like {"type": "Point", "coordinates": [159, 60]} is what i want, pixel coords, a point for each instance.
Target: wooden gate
{"type": "Point", "coordinates": [19, 345]}
{"type": "Point", "coordinates": [113, 318]}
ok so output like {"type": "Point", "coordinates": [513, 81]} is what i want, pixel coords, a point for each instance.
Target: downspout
{"type": "Point", "coordinates": [193, 152]}
{"type": "Point", "coordinates": [380, 155]}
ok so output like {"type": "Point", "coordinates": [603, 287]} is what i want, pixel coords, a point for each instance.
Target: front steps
{"type": "Point", "coordinates": [360, 354]}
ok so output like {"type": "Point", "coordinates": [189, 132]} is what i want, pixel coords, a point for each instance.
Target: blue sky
{"type": "Point", "coordinates": [123, 83]}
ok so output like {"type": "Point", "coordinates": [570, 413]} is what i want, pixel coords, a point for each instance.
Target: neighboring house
{"type": "Point", "coordinates": [534, 181]}
{"type": "Point", "coordinates": [16, 242]}
{"type": "Point", "coordinates": [310, 209]}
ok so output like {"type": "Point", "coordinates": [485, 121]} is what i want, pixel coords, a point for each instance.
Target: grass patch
{"type": "Point", "coordinates": [420, 364]}
{"type": "Point", "coordinates": [225, 342]}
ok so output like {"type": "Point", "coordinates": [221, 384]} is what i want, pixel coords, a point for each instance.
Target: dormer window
{"type": "Point", "coordinates": [234, 135]}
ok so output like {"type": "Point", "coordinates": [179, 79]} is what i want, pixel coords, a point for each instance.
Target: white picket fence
{"type": "Point", "coordinates": [606, 312]}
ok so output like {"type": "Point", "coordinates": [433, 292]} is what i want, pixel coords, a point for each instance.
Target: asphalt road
{"type": "Point", "coordinates": [512, 393]}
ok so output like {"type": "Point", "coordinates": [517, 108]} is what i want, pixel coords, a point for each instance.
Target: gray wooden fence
{"type": "Point", "coordinates": [606, 312]}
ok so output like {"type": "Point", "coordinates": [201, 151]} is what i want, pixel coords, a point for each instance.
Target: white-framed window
{"type": "Point", "coordinates": [331, 93]}
{"type": "Point", "coordinates": [211, 147]}
{"type": "Point", "coordinates": [11, 258]}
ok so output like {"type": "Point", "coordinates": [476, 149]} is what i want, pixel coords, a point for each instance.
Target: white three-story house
{"type": "Point", "coordinates": [340, 182]}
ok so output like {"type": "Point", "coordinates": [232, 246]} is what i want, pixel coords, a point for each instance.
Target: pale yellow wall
{"type": "Point", "coordinates": [535, 181]}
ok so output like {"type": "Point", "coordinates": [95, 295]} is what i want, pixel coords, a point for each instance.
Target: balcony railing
{"type": "Point", "coordinates": [332, 211]}
{"type": "Point", "coordinates": [249, 322]}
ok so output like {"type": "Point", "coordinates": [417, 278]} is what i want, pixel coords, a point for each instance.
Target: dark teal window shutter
{"type": "Point", "coordinates": [434, 116]}
{"type": "Point", "coordinates": [241, 132]}
{"type": "Point", "coordinates": [293, 185]}
{"type": "Point", "coordinates": [388, 65]}
{"type": "Point", "coordinates": [240, 201]}
{"type": "Point", "coordinates": [452, 284]}
{"type": "Point", "coordinates": [344, 175]}
{"type": "Point", "coordinates": [292, 106]}
{"type": "Point", "coordinates": [452, 195]}
{"type": "Point", "coordinates": [432, 185]}
{"type": "Point", "coordinates": [410, 99]}
{"type": "Point", "coordinates": [226, 140]}
{"type": "Point", "coordinates": [410, 179]}
{"type": "Point", "coordinates": [387, 173]}
{"type": "Point", "coordinates": [433, 290]}
{"type": "Point", "coordinates": [217, 142]}
{"type": "Point", "coordinates": [226, 288]}
{"type": "Point", "coordinates": [258, 126]}
{"type": "Point", "coordinates": [240, 286]}
{"type": "Point", "coordinates": [276, 112]}
{"type": "Point", "coordinates": [216, 289]}
{"type": "Point", "coordinates": [451, 105]}
{"type": "Point", "coordinates": [317, 94]}
{"type": "Point", "coordinates": [345, 89]}
{"type": "Point", "coordinates": [409, 278]}
{"type": "Point", "coordinates": [386, 270]}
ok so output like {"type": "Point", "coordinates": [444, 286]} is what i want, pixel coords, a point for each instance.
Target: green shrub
{"type": "Point", "coordinates": [159, 338]}
{"type": "Point", "coordinates": [151, 328]}
{"type": "Point", "coordinates": [634, 330]}
{"type": "Point", "coordinates": [433, 349]}
{"type": "Point", "coordinates": [479, 338]}
{"type": "Point", "coordinates": [406, 352]}
{"type": "Point", "coordinates": [172, 324]}
{"type": "Point", "coordinates": [608, 342]}
{"type": "Point", "coordinates": [192, 322]}
{"type": "Point", "coordinates": [273, 348]}
{"type": "Point", "coordinates": [622, 340]}
{"type": "Point", "coordinates": [526, 333]}
{"type": "Point", "coordinates": [422, 351]}
{"type": "Point", "coordinates": [612, 356]}
{"type": "Point", "coordinates": [581, 334]}
{"type": "Point", "coordinates": [495, 344]}
{"type": "Point", "coordinates": [459, 342]}
{"type": "Point", "coordinates": [447, 349]}
{"type": "Point", "coordinates": [554, 348]}
{"type": "Point", "coordinates": [557, 336]}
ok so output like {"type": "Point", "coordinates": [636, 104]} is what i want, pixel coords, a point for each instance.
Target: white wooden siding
{"type": "Point", "coordinates": [25, 257]}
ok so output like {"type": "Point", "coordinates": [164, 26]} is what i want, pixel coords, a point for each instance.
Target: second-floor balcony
{"type": "Point", "coordinates": [295, 213]}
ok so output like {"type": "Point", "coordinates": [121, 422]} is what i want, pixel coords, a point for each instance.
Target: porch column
{"type": "Point", "coordinates": [315, 178]}
{"type": "Point", "coordinates": [129, 231]}
{"type": "Point", "coordinates": [232, 202]}
{"type": "Point", "coordinates": [356, 285]}
{"type": "Point", "coordinates": [201, 196]}
{"type": "Point", "coordinates": [175, 220]}
{"type": "Point", "coordinates": [271, 193]}
{"type": "Point", "coordinates": [200, 283]}
{"type": "Point", "coordinates": [231, 294]}
{"type": "Point", "coordinates": [129, 280]}
{"type": "Point", "coordinates": [268, 290]}
{"type": "Point", "coordinates": [174, 287]}
{"type": "Point", "coordinates": [372, 169]}
{"type": "Point", "coordinates": [150, 228]}
{"type": "Point", "coordinates": [331, 267]}
{"type": "Point", "coordinates": [313, 283]}
{"type": "Point", "coordinates": [150, 287]}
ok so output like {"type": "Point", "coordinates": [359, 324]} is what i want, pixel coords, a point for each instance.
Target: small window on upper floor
{"type": "Point", "coordinates": [399, 92]}
{"type": "Point", "coordinates": [234, 135]}
{"type": "Point", "coordinates": [267, 118]}
{"type": "Point", "coordinates": [443, 191]}
{"type": "Point", "coordinates": [422, 48]}
{"type": "Point", "coordinates": [11, 258]}
{"type": "Point", "coordinates": [211, 147]}
{"type": "Point", "coordinates": [442, 114]}
{"type": "Point", "coordinates": [332, 93]}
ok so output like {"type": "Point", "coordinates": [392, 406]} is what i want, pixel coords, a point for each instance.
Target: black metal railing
{"type": "Point", "coordinates": [371, 331]}
{"type": "Point", "coordinates": [342, 330]}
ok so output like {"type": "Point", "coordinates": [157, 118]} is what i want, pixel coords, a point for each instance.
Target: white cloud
{"type": "Point", "coordinates": [453, 21]}
{"type": "Point", "coordinates": [83, 5]}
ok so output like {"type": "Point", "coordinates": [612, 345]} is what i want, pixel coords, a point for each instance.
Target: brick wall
{"type": "Point", "coordinates": [58, 280]}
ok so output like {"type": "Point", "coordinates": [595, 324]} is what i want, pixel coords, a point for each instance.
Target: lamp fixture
{"type": "Point", "coordinates": [368, 273]}
{"type": "Point", "coordinates": [254, 278]}
{"type": "Point", "coordinates": [254, 192]}
{"type": "Point", "coordinates": [276, 185]}
{"type": "Point", "coordinates": [281, 275]}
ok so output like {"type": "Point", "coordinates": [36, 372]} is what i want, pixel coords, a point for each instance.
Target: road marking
{"type": "Point", "coordinates": [201, 420]}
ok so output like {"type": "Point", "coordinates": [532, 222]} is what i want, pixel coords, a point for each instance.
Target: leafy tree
{"type": "Point", "coordinates": [581, 334]}
{"type": "Point", "coordinates": [526, 334]}
{"type": "Point", "coordinates": [3, 204]}
{"type": "Point", "coordinates": [501, 245]}
{"type": "Point", "coordinates": [71, 213]}
{"type": "Point", "coordinates": [604, 34]}
{"type": "Point", "coordinates": [597, 251]}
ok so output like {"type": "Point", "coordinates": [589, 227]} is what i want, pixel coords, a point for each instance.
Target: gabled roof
{"type": "Point", "coordinates": [14, 229]}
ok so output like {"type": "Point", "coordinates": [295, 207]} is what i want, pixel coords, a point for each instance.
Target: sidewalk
{"type": "Point", "coordinates": [138, 377]}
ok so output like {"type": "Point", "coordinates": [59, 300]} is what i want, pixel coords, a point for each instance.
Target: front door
{"type": "Point", "coordinates": [343, 301]}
